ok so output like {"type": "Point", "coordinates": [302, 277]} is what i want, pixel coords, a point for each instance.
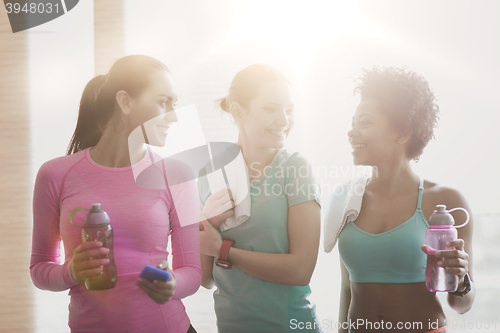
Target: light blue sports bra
{"type": "Point", "coordinates": [393, 256]}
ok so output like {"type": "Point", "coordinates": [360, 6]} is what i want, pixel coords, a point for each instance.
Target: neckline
{"type": "Point", "coordinates": [112, 169]}
{"type": "Point", "coordinates": [270, 165]}
{"type": "Point", "coordinates": [417, 211]}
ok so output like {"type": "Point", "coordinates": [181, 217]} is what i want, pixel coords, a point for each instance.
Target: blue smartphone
{"type": "Point", "coordinates": [152, 273]}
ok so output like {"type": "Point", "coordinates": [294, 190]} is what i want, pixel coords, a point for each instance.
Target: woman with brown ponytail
{"type": "Point", "coordinates": [99, 168]}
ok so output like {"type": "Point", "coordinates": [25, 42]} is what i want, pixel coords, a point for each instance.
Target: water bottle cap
{"type": "Point", "coordinates": [441, 217]}
{"type": "Point", "coordinates": [96, 207]}
{"type": "Point", "coordinates": [96, 215]}
{"type": "Point", "coordinates": [440, 209]}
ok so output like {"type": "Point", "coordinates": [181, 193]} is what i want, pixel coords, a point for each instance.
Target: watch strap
{"type": "Point", "coordinates": [468, 287]}
{"type": "Point", "coordinates": [224, 249]}
{"type": "Point", "coordinates": [222, 260]}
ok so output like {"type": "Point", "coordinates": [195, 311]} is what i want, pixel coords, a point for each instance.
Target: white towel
{"type": "Point", "coordinates": [239, 184]}
{"type": "Point", "coordinates": [344, 207]}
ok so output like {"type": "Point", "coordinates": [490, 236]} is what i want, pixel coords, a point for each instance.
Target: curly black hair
{"type": "Point", "coordinates": [407, 99]}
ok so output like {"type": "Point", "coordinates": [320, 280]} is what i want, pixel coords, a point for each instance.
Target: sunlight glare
{"type": "Point", "coordinates": [275, 24]}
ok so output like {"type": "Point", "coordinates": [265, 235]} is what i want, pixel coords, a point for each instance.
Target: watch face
{"type": "Point", "coordinates": [468, 288]}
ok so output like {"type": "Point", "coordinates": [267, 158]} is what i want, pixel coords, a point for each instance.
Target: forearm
{"type": "Point", "coordinates": [188, 280]}
{"type": "Point", "coordinates": [460, 261]}
{"type": "Point", "coordinates": [207, 266]}
{"type": "Point", "coordinates": [281, 268]}
{"type": "Point", "coordinates": [186, 265]}
{"type": "Point", "coordinates": [345, 300]}
{"type": "Point", "coordinates": [48, 275]}
{"type": "Point", "coordinates": [463, 304]}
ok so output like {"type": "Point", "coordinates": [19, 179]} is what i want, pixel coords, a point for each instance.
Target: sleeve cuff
{"type": "Point", "coordinates": [68, 278]}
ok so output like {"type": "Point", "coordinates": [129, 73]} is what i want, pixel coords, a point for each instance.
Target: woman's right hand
{"type": "Point", "coordinates": [218, 207]}
{"type": "Point", "coordinates": [82, 266]}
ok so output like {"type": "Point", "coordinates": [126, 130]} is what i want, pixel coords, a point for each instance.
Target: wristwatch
{"type": "Point", "coordinates": [467, 287]}
{"type": "Point", "coordinates": [222, 260]}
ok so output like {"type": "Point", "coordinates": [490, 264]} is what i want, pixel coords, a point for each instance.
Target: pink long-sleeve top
{"type": "Point", "coordinates": [142, 221]}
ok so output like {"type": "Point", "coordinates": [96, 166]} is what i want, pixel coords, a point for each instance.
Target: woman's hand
{"type": "Point", "coordinates": [210, 240]}
{"type": "Point", "coordinates": [218, 207]}
{"type": "Point", "coordinates": [159, 291]}
{"type": "Point", "coordinates": [454, 261]}
{"type": "Point", "coordinates": [82, 266]}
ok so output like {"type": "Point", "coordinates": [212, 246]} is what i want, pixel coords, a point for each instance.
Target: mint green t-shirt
{"type": "Point", "coordinates": [244, 303]}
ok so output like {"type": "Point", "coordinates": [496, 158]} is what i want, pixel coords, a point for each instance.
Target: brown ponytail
{"type": "Point", "coordinates": [88, 128]}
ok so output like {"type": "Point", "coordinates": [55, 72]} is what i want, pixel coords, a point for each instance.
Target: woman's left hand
{"type": "Point", "coordinates": [454, 261]}
{"type": "Point", "coordinates": [210, 239]}
{"type": "Point", "coordinates": [159, 291]}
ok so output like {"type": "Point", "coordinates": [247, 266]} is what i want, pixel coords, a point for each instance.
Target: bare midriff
{"type": "Point", "coordinates": [409, 305]}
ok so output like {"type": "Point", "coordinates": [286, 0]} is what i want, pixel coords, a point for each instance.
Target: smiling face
{"type": "Point", "coordinates": [373, 138]}
{"type": "Point", "coordinates": [268, 118]}
{"type": "Point", "coordinates": [154, 108]}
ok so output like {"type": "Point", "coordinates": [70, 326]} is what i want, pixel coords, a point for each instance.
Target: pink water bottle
{"type": "Point", "coordinates": [441, 230]}
{"type": "Point", "coordinates": [97, 228]}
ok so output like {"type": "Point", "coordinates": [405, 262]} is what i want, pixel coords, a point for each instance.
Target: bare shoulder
{"type": "Point", "coordinates": [443, 195]}
{"type": "Point", "coordinates": [436, 194]}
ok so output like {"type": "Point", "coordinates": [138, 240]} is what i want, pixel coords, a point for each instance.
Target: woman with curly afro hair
{"type": "Point", "coordinates": [383, 256]}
